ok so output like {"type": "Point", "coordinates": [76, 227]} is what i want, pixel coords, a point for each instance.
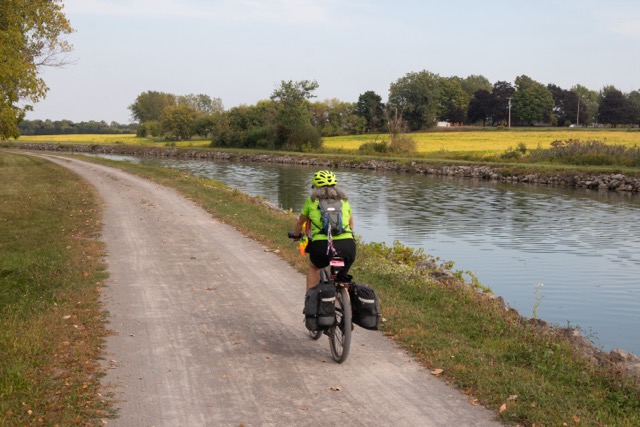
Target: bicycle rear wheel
{"type": "Point", "coordinates": [340, 332]}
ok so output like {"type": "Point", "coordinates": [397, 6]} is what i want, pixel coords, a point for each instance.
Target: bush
{"type": "Point", "coordinates": [587, 153]}
{"type": "Point", "coordinates": [402, 144]}
{"type": "Point", "coordinates": [305, 139]}
{"type": "Point", "coordinates": [374, 147]}
{"type": "Point", "coordinates": [261, 137]}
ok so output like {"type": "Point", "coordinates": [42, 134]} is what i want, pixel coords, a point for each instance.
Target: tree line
{"type": "Point", "coordinates": [65, 127]}
{"type": "Point", "coordinates": [418, 101]}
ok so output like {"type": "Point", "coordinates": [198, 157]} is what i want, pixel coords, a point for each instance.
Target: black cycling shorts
{"type": "Point", "coordinates": [346, 248]}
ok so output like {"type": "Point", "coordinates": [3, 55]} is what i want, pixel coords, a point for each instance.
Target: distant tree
{"type": "Point", "coordinates": [202, 103]}
{"type": "Point", "coordinates": [178, 121]}
{"type": "Point", "coordinates": [150, 105]}
{"type": "Point", "coordinates": [416, 97]}
{"type": "Point", "coordinates": [333, 117]}
{"type": "Point", "coordinates": [589, 104]}
{"type": "Point", "coordinates": [453, 101]}
{"type": "Point", "coordinates": [566, 104]}
{"type": "Point", "coordinates": [532, 101]}
{"type": "Point", "coordinates": [615, 108]}
{"type": "Point", "coordinates": [371, 108]}
{"type": "Point", "coordinates": [474, 83]}
{"type": "Point", "coordinates": [500, 95]}
{"type": "Point", "coordinates": [634, 99]}
{"type": "Point", "coordinates": [31, 37]}
{"type": "Point", "coordinates": [480, 107]}
{"type": "Point", "coordinates": [293, 120]}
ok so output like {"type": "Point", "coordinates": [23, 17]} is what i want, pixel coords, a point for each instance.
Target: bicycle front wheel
{"type": "Point", "coordinates": [340, 332]}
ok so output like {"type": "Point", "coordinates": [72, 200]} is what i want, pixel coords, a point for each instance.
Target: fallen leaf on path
{"type": "Point", "coordinates": [336, 388]}
{"type": "Point", "coordinates": [503, 408]}
{"type": "Point", "coordinates": [437, 372]}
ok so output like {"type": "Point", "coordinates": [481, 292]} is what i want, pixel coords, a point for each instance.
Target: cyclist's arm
{"type": "Point", "coordinates": [351, 222]}
{"type": "Point", "coordinates": [297, 230]}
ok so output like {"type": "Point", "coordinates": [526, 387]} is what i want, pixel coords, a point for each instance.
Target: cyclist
{"type": "Point", "coordinates": [322, 247]}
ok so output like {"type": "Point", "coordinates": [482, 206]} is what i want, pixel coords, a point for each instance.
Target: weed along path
{"type": "Point", "coordinates": [208, 330]}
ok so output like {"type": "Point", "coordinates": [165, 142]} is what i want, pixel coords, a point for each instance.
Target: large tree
{"type": "Point", "coordinates": [501, 93]}
{"type": "Point", "coordinates": [532, 101]}
{"type": "Point", "coordinates": [589, 101]}
{"type": "Point", "coordinates": [149, 106]}
{"type": "Point", "coordinates": [293, 121]}
{"type": "Point", "coordinates": [615, 108]}
{"type": "Point", "coordinates": [31, 37]}
{"type": "Point", "coordinates": [416, 99]}
{"type": "Point", "coordinates": [370, 107]}
{"type": "Point", "coordinates": [480, 107]}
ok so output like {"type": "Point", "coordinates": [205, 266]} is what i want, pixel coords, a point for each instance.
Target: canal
{"type": "Point", "coordinates": [573, 254]}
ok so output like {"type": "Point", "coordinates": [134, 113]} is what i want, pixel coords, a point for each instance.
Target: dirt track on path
{"type": "Point", "coordinates": [208, 330]}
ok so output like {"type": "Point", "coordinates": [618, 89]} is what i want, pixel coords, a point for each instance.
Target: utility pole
{"type": "Point", "coordinates": [509, 112]}
{"type": "Point", "coordinates": [578, 115]}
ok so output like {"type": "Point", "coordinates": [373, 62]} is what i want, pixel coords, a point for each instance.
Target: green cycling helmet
{"type": "Point", "coordinates": [324, 179]}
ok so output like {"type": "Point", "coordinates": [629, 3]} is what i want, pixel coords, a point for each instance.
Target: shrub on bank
{"type": "Point", "coordinates": [587, 153]}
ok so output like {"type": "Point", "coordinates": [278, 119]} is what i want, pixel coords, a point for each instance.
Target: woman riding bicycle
{"type": "Point", "coordinates": [325, 245]}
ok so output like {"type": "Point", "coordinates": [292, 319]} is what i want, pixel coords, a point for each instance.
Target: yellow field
{"type": "Point", "coordinates": [490, 141]}
{"type": "Point", "coordinates": [479, 142]}
{"type": "Point", "coordinates": [126, 139]}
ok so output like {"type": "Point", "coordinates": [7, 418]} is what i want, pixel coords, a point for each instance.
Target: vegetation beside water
{"type": "Point", "coordinates": [527, 375]}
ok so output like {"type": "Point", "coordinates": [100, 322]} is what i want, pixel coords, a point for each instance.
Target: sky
{"type": "Point", "coordinates": [240, 50]}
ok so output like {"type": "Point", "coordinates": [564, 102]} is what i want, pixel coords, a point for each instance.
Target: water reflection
{"type": "Point", "coordinates": [583, 245]}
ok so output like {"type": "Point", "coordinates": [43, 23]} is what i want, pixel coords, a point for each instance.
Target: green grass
{"type": "Point", "coordinates": [51, 327]}
{"type": "Point", "coordinates": [491, 354]}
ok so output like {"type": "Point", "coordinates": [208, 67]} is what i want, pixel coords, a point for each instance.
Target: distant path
{"type": "Point", "coordinates": [209, 330]}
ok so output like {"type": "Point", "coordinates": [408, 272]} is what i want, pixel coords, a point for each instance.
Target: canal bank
{"type": "Point", "coordinates": [514, 174]}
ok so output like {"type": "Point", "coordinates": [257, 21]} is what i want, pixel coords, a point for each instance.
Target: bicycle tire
{"type": "Point", "coordinates": [315, 335]}
{"type": "Point", "coordinates": [340, 332]}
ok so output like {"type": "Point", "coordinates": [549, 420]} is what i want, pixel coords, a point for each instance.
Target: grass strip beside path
{"type": "Point", "coordinates": [51, 325]}
{"type": "Point", "coordinates": [530, 376]}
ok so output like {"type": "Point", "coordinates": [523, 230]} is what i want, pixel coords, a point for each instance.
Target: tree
{"type": "Point", "coordinates": [615, 108]}
{"type": "Point", "coordinates": [474, 83]}
{"type": "Point", "coordinates": [634, 99]}
{"type": "Point", "coordinates": [480, 107]}
{"type": "Point", "coordinates": [416, 97]}
{"type": "Point", "coordinates": [201, 102]}
{"type": "Point", "coordinates": [31, 37]}
{"type": "Point", "coordinates": [566, 105]}
{"type": "Point", "coordinates": [532, 101]}
{"type": "Point", "coordinates": [178, 121]}
{"type": "Point", "coordinates": [589, 104]}
{"type": "Point", "coordinates": [293, 120]}
{"type": "Point", "coordinates": [149, 105]}
{"type": "Point", "coordinates": [454, 101]}
{"type": "Point", "coordinates": [500, 95]}
{"type": "Point", "coordinates": [371, 108]}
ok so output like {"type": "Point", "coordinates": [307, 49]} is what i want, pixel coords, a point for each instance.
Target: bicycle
{"type": "Point", "coordinates": [340, 332]}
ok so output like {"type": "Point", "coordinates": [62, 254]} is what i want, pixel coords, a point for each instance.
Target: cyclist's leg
{"type": "Point", "coordinates": [317, 250]}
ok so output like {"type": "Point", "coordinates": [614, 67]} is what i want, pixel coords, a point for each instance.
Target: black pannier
{"type": "Point", "coordinates": [319, 307]}
{"type": "Point", "coordinates": [365, 306]}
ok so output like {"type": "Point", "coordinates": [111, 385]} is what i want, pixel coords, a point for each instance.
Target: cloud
{"type": "Point", "coordinates": [243, 11]}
